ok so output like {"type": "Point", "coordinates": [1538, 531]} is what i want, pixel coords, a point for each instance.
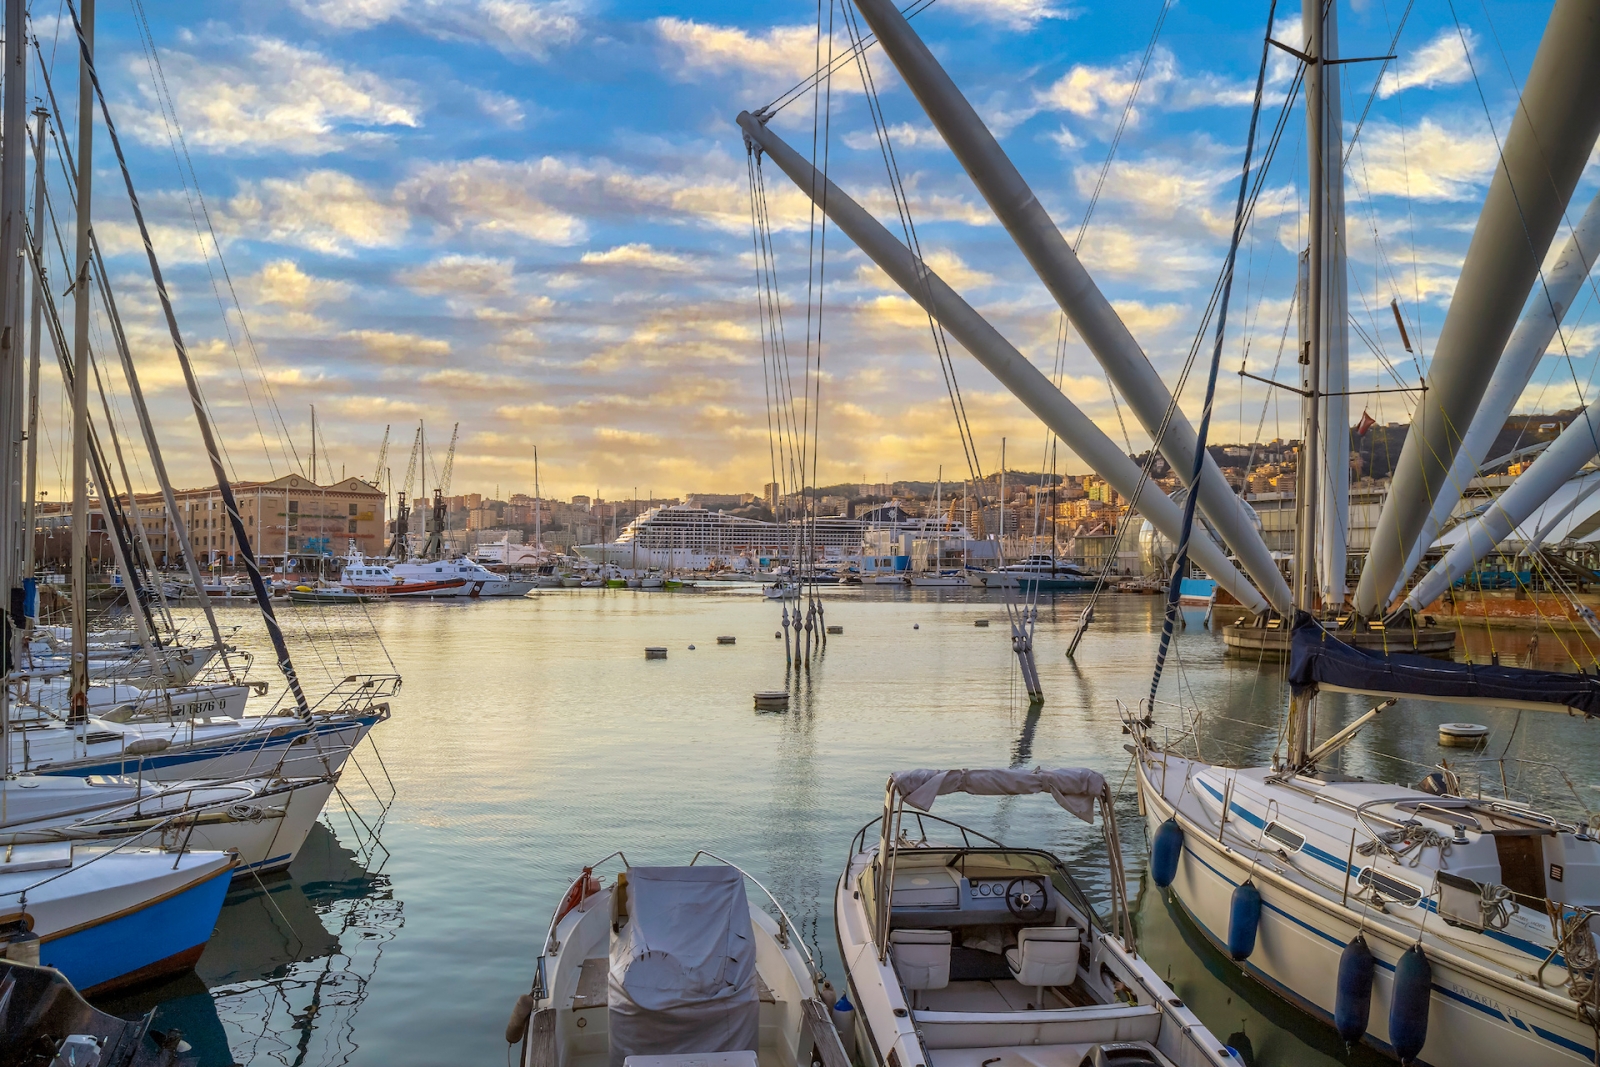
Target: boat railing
{"type": "Point", "coordinates": [785, 924]}
{"type": "Point", "coordinates": [858, 844]}
{"type": "Point", "coordinates": [582, 880]}
{"type": "Point", "coordinates": [357, 693]}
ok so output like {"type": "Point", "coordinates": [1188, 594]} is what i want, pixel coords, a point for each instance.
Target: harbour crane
{"type": "Point", "coordinates": [383, 456]}
{"type": "Point", "coordinates": [434, 549]}
{"type": "Point", "coordinates": [399, 547]}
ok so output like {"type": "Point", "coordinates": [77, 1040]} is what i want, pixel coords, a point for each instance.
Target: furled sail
{"type": "Point", "coordinates": [1318, 659]}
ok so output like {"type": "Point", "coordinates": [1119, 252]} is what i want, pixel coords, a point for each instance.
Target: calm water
{"type": "Point", "coordinates": [532, 737]}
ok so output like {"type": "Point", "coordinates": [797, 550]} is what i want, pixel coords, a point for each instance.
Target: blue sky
{"type": "Point", "coordinates": [531, 218]}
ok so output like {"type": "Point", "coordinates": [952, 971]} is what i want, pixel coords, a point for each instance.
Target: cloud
{"type": "Point", "coordinates": [1429, 161]}
{"type": "Point", "coordinates": [458, 276]}
{"type": "Point", "coordinates": [282, 282]}
{"type": "Point", "coordinates": [641, 257]}
{"type": "Point", "coordinates": [514, 27]}
{"type": "Point", "coordinates": [494, 197]}
{"type": "Point", "coordinates": [323, 210]}
{"type": "Point", "coordinates": [1014, 14]}
{"type": "Point", "coordinates": [1442, 61]}
{"type": "Point", "coordinates": [945, 263]}
{"type": "Point", "coordinates": [392, 347]}
{"type": "Point", "coordinates": [901, 135]}
{"type": "Point", "coordinates": [262, 94]}
{"type": "Point", "coordinates": [1101, 92]}
{"type": "Point", "coordinates": [782, 52]}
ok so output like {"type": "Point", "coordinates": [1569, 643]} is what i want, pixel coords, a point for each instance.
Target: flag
{"type": "Point", "coordinates": [1367, 422]}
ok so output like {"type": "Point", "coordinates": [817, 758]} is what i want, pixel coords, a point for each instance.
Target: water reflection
{"type": "Point", "coordinates": [533, 737]}
{"type": "Point", "coordinates": [287, 968]}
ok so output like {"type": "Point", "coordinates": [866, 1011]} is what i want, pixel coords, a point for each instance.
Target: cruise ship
{"type": "Point", "coordinates": [679, 537]}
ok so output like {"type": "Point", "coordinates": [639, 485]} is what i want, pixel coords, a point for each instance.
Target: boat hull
{"type": "Point", "coordinates": [296, 749]}
{"type": "Point", "coordinates": [1298, 947]}
{"type": "Point", "coordinates": [155, 922]}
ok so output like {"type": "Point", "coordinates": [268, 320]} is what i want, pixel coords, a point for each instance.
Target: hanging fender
{"type": "Point", "coordinates": [1408, 1007]}
{"type": "Point", "coordinates": [1352, 1001]}
{"type": "Point", "coordinates": [1244, 919]}
{"type": "Point", "coordinates": [1165, 852]}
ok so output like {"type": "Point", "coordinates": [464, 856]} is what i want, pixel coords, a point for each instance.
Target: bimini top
{"type": "Point", "coordinates": [1074, 788]}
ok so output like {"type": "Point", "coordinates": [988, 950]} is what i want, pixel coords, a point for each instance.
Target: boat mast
{"type": "Point", "coordinates": [36, 328]}
{"type": "Point", "coordinates": [538, 535]}
{"type": "Point", "coordinates": [78, 704]}
{"type": "Point", "coordinates": [13, 203]}
{"type": "Point", "coordinates": [1299, 726]}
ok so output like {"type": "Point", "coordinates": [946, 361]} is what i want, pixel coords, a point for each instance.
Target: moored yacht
{"type": "Point", "coordinates": [673, 967]}
{"type": "Point", "coordinates": [968, 952]}
{"type": "Point", "coordinates": [475, 580]}
{"type": "Point", "coordinates": [1043, 572]}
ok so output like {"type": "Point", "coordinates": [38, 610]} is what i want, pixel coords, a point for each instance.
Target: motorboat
{"type": "Point", "coordinates": [962, 951]}
{"type": "Point", "coordinates": [674, 967]}
{"type": "Point", "coordinates": [47, 1014]}
{"type": "Point", "coordinates": [941, 580]}
{"type": "Point", "coordinates": [108, 917]}
{"type": "Point", "coordinates": [1043, 572]}
{"type": "Point", "coordinates": [477, 580]}
{"type": "Point", "coordinates": [781, 590]}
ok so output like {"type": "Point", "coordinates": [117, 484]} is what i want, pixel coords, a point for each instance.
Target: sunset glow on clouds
{"type": "Point", "coordinates": [532, 218]}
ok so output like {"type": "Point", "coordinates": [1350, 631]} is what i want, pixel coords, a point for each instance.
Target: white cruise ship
{"type": "Point", "coordinates": [679, 537]}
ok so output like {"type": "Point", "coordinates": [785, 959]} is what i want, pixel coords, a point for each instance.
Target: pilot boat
{"type": "Point", "coordinates": [674, 967]}
{"type": "Point", "coordinates": [970, 952]}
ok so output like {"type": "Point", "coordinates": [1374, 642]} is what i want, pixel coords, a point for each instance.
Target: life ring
{"type": "Point", "coordinates": [586, 886]}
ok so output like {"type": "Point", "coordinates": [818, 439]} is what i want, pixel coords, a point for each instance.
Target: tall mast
{"type": "Point", "coordinates": [1299, 726]}
{"type": "Point", "coordinates": [79, 702]}
{"type": "Point", "coordinates": [36, 327]}
{"type": "Point", "coordinates": [1333, 473]}
{"type": "Point", "coordinates": [13, 203]}
{"type": "Point", "coordinates": [538, 532]}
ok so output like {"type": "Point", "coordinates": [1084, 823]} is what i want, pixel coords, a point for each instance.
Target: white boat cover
{"type": "Point", "coordinates": [1074, 788]}
{"type": "Point", "coordinates": [683, 966]}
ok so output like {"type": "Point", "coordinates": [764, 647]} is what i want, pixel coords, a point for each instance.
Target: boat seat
{"type": "Point", "coordinates": [1045, 956]}
{"type": "Point", "coordinates": [921, 958]}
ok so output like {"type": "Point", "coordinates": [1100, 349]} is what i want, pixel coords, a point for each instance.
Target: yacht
{"type": "Point", "coordinates": [960, 950]}
{"type": "Point", "coordinates": [1043, 572]}
{"type": "Point", "coordinates": [475, 580]}
{"type": "Point", "coordinates": [674, 967]}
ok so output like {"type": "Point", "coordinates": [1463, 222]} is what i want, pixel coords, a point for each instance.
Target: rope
{"type": "Point", "coordinates": [1414, 838]}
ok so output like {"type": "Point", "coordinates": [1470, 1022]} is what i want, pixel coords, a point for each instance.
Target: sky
{"type": "Point", "coordinates": [532, 218]}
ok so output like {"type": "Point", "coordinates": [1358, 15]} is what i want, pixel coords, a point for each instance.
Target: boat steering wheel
{"type": "Point", "coordinates": [1025, 903]}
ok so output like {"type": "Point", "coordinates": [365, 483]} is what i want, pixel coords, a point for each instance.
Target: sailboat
{"type": "Point", "coordinates": [1433, 922]}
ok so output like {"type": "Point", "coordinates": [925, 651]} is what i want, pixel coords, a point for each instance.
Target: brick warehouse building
{"type": "Point", "coordinates": [289, 517]}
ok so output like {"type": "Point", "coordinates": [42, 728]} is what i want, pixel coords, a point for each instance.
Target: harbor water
{"type": "Point", "coordinates": [532, 736]}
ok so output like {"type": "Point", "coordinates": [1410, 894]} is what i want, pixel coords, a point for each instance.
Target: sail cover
{"type": "Point", "coordinates": [1318, 659]}
{"type": "Point", "coordinates": [1074, 788]}
{"type": "Point", "coordinates": [683, 965]}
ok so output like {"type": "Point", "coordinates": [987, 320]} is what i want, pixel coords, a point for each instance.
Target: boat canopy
{"type": "Point", "coordinates": [1074, 788]}
{"type": "Point", "coordinates": [683, 964]}
{"type": "Point", "coordinates": [1318, 660]}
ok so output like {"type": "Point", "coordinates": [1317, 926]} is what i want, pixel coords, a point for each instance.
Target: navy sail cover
{"type": "Point", "coordinates": [1317, 657]}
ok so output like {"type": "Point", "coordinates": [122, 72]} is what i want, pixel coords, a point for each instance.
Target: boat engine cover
{"type": "Point", "coordinates": [683, 965]}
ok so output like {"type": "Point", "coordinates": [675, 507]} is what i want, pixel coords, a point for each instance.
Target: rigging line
{"type": "Point", "coordinates": [153, 58]}
{"type": "Point", "coordinates": [772, 327]}
{"type": "Point", "coordinates": [1377, 83]}
{"type": "Point", "coordinates": [799, 89]}
{"type": "Point", "coordinates": [225, 490]}
{"type": "Point", "coordinates": [814, 414]}
{"type": "Point", "coordinates": [784, 402]}
{"type": "Point", "coordinates": [755, 240]}
{"type": "Point", "coordinates": [1180, 562]}
{"type": "Point", "coordinates": [908, 227]}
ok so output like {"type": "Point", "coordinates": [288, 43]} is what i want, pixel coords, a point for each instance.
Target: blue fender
{"type": "Point", "coordinates": [1244, 918]}
{"type": "Point", "coordinates": [1408, 1009]}
{"type": "Point", "coordinates": [1164, 853]}
{"type": "Point", "coordinates": [1352, 1002]}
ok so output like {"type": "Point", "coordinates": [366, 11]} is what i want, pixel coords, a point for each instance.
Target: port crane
{"type": "Point", "coordinates": [399, 546]}
{"type": "Point", "coordinates": [434, 549]}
